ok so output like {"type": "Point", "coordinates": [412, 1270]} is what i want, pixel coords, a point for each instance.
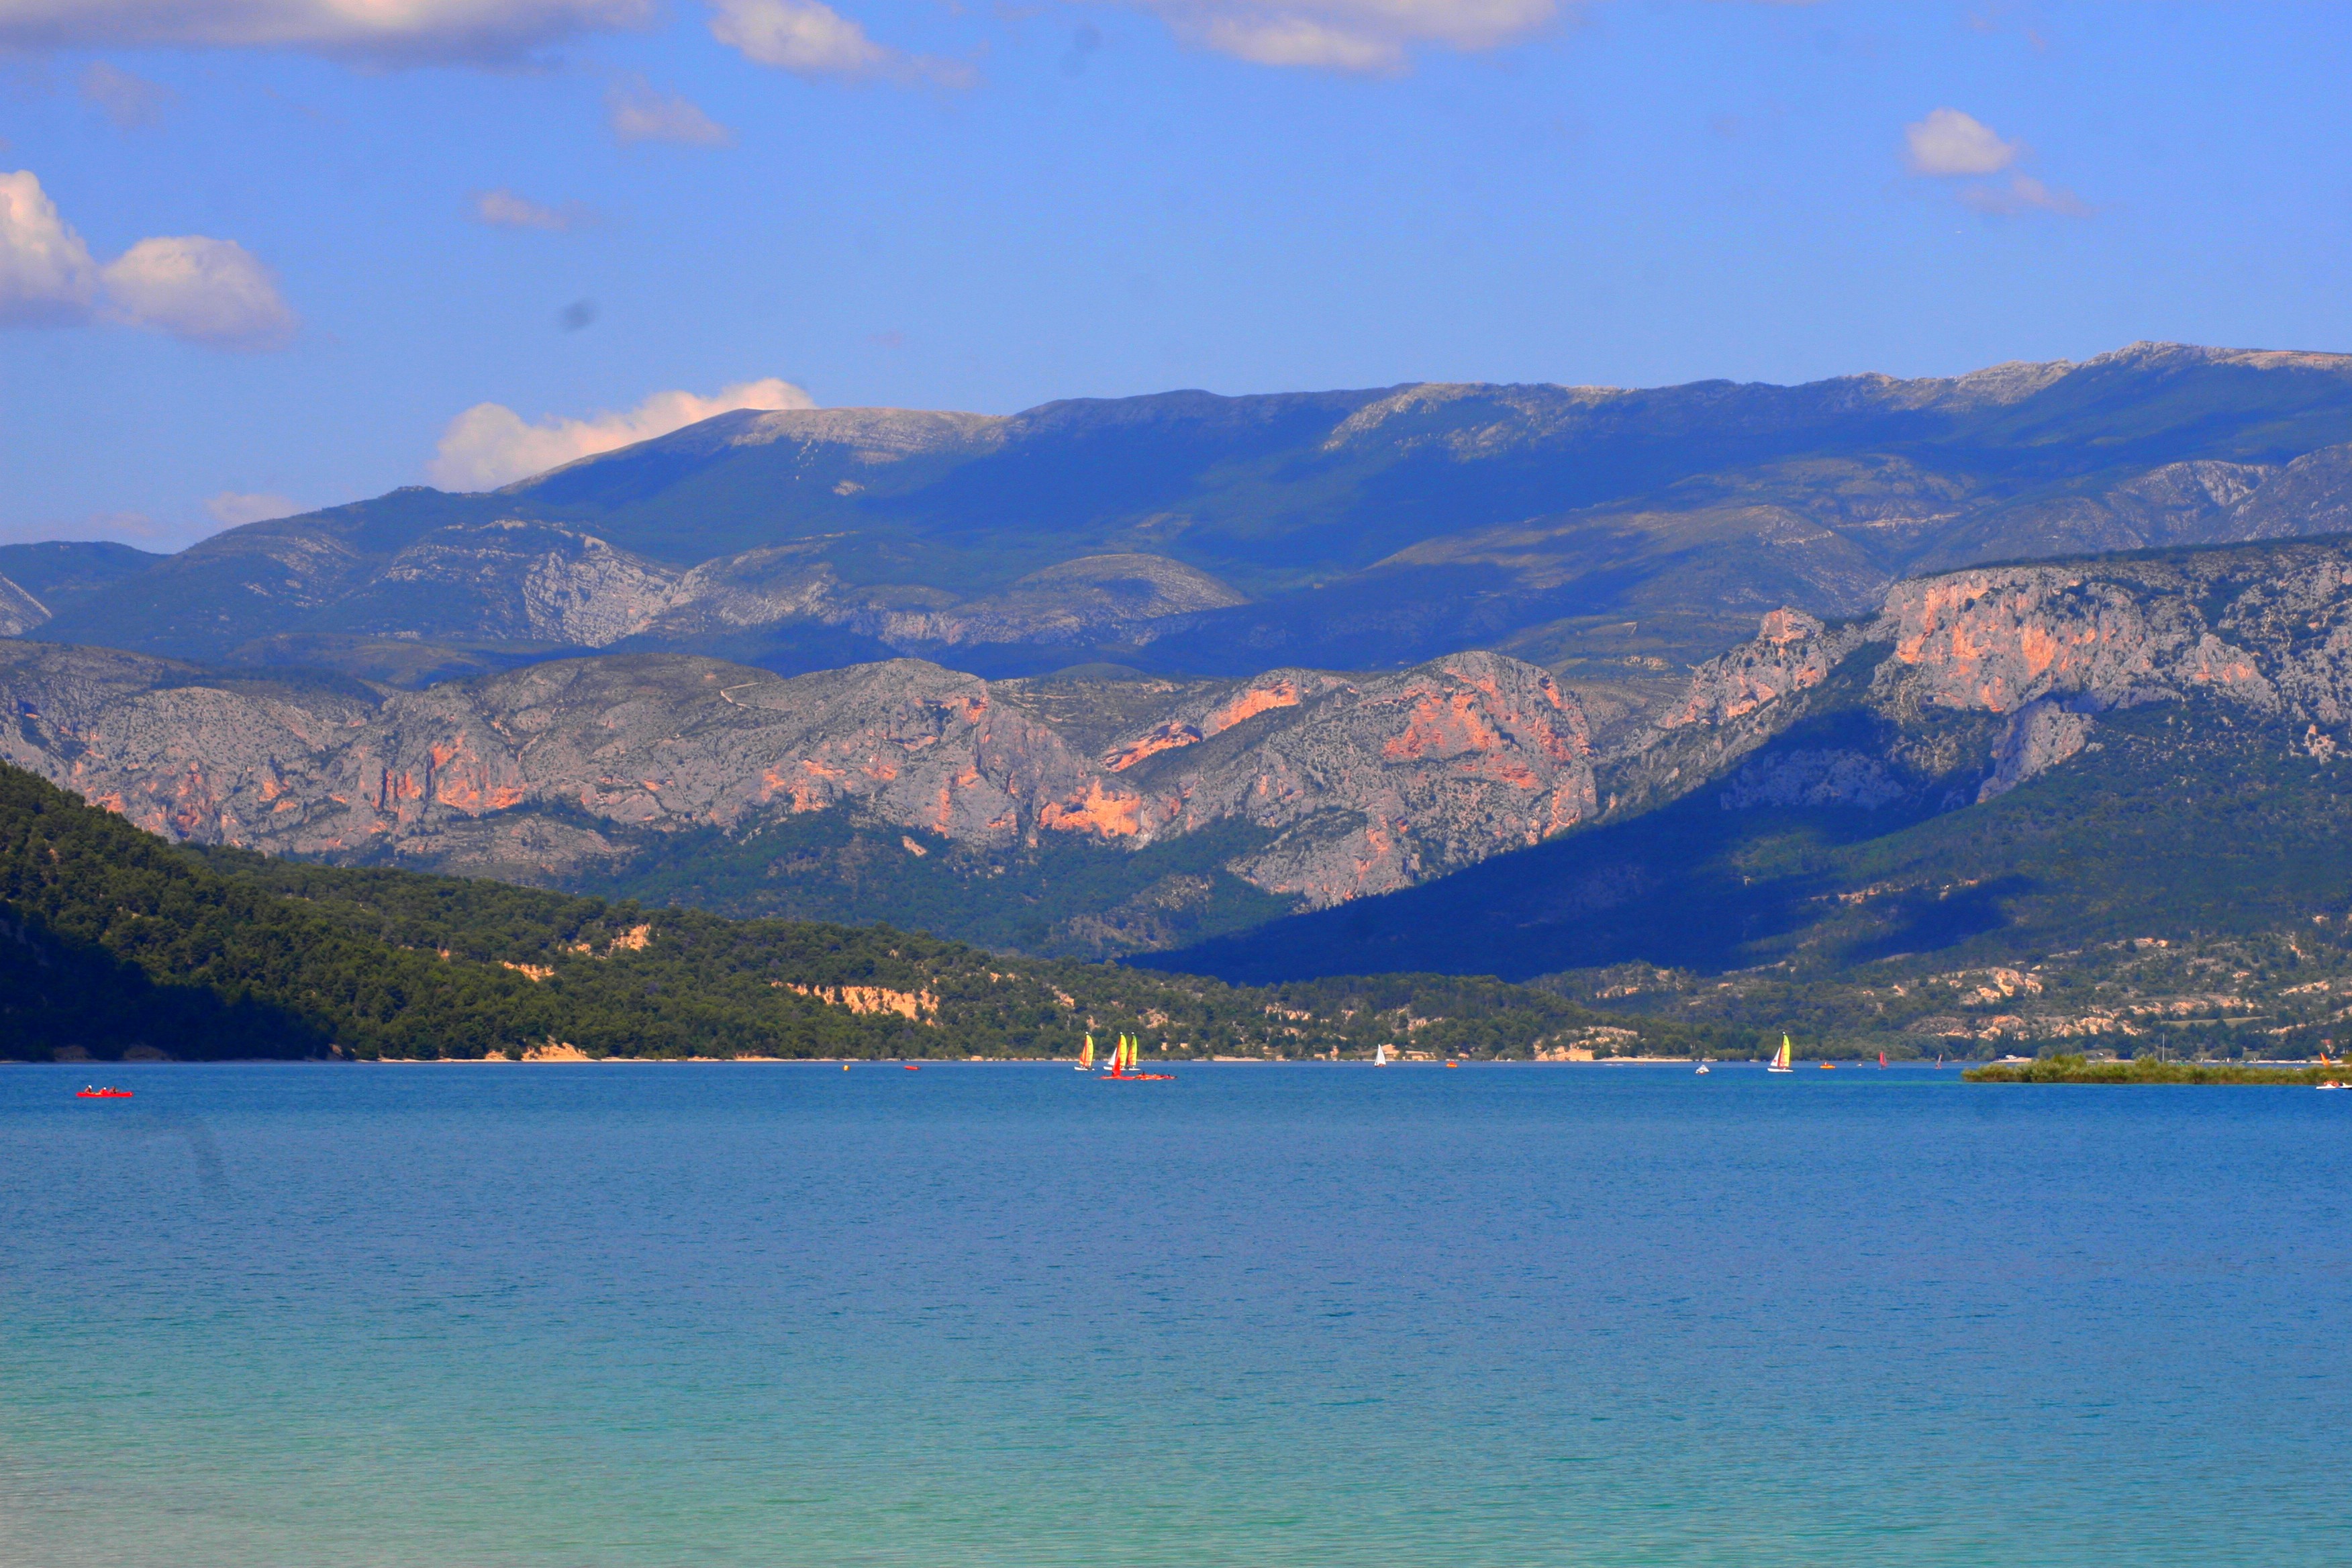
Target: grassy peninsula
{"type": "Point", "coordinates": [2150, 1070]}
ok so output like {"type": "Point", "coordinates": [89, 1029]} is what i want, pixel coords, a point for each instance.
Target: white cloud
{"type": "Point", "coordinates": [1358, 35]}
{"type": "Point", "coordinates": [211, 292]}
{"type": "Point", "coordinates": [46, 277]}
{"type": "Point", "coordinates": [489, 444]}
{"type": "Point", "coordinates": [395, 31]}
{"type": "Point", "coordinates": [2025, 194]}
{"type": "Point", "coordinates": [130, 101]}
{"type": "Point", "coordinates": [502, 209]}
{"type": "Point", "coordinates": [636, 112]}
{"type": "Point", "coordinates": [235, 509]}
{"type": "Point", "coordinates": [814, 40]}
{"type": "Point", "coordinates": [1950, 145]}
{"type": "Point", "coordinates": [1949, 142]}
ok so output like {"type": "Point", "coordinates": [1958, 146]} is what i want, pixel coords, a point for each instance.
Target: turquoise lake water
{"type": "Point", "coordinates": [470, 1317]}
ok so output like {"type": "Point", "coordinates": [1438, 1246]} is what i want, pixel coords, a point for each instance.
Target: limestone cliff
{"type": "Point", "coordinates": [2039, 651]}
{"type": "Point", "coordinates": [1361, 785]}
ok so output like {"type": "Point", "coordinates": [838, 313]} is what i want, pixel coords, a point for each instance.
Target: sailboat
{"type": "Point", "coordinates": [1124, 1064]}
{"type": "Point", "coordinates": [1086, 1055]}
{"type": "Point", "coordinates": [1783, 1059]}
{"type": "Point", "coordinates": [1703, 1067]}
{"type": "Point", "coordinates": [1882, 1061]}
{"type": "Point", "coordinates": [1379, 1056]}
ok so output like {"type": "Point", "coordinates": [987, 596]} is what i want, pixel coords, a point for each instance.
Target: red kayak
{"type": "Point", "coordinates": [914, 1067]}
{"type": "Point", "coordinates": [108, 1094]}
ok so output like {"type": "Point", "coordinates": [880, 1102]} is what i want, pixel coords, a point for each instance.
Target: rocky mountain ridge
{"type": "Point", "coordinates": [1191, 534]}
{"type": "Point", "coordinates": [2004, 765]}
{"type": "Point", "coordinates": [1354, 784]}
{"type": "Point", "coordinates": [1962, 687]}
{"type": "Point", "coordinates": [2264, 630]}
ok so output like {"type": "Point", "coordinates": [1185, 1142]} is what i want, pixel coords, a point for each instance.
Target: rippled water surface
{"type": "Point", "coordinates": [467, 1317]}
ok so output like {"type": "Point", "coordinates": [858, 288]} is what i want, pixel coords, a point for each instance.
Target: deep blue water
{"type": "Point", "coordinates": [982, 1315]}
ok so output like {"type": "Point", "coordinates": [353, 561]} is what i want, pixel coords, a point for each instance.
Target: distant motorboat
{"type": "Point", "coordinates": [1784, 1059]}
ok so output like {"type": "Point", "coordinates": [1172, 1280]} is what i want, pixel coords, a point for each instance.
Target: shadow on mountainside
{"type": "Point", "coordinates": [2177, 821]}
{"type": "Point", "coordinates": [1692, 886]}
{"type": "Point", "coordinates": [60, 994]}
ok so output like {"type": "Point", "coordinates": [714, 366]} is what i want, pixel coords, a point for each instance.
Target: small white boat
{"type": "Point", "coordinates": [1783, 1059]}
{"type": "Point", "coordinates": [1379, 1056]}
{"type": "Point", "coordinates": [1704, 1070]}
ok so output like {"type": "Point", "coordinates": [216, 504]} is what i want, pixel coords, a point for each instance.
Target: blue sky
{"type": "Point", "coordinates": [314, 234]}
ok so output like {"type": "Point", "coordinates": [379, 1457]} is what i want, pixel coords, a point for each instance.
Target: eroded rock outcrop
{"type": "Point", "coordinates": [2266, 631]}
{"type": "Point", "coordinates": [19, 611]}
{"type": "Point", "coordinates": [1364, 784]}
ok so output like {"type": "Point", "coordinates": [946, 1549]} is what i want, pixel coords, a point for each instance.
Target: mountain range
{"type": "Point", "coordinates": [1192, 534]}
{"type": "Point", "coordinates": [1531, 681]}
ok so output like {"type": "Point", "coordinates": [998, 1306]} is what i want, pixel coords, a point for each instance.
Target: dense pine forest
{"type": "Point", "coordinates": [114, 940]}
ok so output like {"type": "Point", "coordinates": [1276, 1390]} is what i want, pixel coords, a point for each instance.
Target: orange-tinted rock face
{"type": "Point", "coordinates": [1434, 767]}
{"type": "Point", "coordinates": [1177, 733]}
{"type": "Point", "coordinates": [1999, 640]}
{"type": "Point", "coordinates": [1111, 815]}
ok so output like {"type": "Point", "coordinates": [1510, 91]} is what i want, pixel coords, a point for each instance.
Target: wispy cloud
{"type": "Point", "coordinates": [130, 101]}
{"type": "Point", "coordinates": [1359, 37]}
{"type": "Point", "coordinates": [812, 40]}
{"type": "Point", "coordinates": [490, 445]}
{"type": "Point", "coordinates": [386, 31]}
{"type": "Point", "coordinates": [502, 209]}
{"type": "Point", "coordinates": [637, 112]}
{"type": "Point", "coordinates": [128, 527]}
{"type": "Point", "coordinates": [2025, 194]}
{"type": "Point", "coordinates": [233, 508]}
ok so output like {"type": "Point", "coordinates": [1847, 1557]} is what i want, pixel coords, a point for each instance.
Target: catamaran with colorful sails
{"type": "Point", "coordinates": [1126, 1065]}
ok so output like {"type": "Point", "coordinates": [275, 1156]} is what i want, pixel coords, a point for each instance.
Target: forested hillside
{"type": "Point", "coordinates": [112, 939]}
